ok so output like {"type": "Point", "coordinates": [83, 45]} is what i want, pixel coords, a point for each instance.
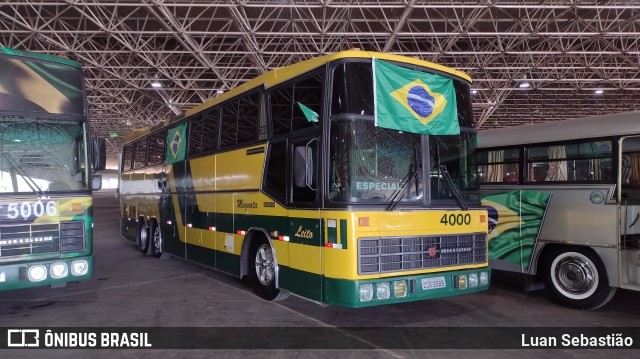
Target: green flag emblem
{"type": "Point", "coordinates": [515, 220]}
{"type": "Point", "coordinates": [176, 143]}
{"type": "Point", "coordinates": [414, 101]}
{"type": "Point", "coordinates": [310, 114]}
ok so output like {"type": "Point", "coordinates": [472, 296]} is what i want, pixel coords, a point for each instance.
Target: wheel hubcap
{"type": "Point", "coordinates": [575, 275]}
{"type": "Point", "coordinates": [157, 240]}
{"type": "Point", "coordinates": [264, 265]}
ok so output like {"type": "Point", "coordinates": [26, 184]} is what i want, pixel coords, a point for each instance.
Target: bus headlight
{"type": "Point", "coordinates": [366, 292]}
{"type": "Point", "coordinates": [473, 280]}
{"type": "Point", "coordinates": [383, 291]}
{"type": "Point", "coordinates": [59, 270]}
{"type": "Point", "coordinates": [399, 289]}
{"type": "Point", "coordinates": [484, 278]}
{"type": "Point", "coordinates": [37, 273]}
{"type": "Point", "coordinates": [79, 267]}
{"type": "Point", "coordinates": [462, 281]}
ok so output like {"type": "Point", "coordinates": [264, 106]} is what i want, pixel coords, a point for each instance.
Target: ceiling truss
{"type": "Point", "coordinates": [199, 48]}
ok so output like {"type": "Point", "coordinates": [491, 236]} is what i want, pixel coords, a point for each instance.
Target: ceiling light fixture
{"type": "Point", "coordinates": [156, 84]}
{"type": "Point", "coordinates": [598, 92]}
{"type": "Point", "coordinates": [524, 83]}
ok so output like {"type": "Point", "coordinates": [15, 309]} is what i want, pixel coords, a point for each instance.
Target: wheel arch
{"type": "Point", "coordinates": [254, 234]}
{"type": "Point", "coordinates": [569, 272]}
{"type": "Point", "coordinates": [607, 256]}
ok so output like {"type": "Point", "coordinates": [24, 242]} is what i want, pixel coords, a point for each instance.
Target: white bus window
{"type": "Point", "coordinates": [500, 166]}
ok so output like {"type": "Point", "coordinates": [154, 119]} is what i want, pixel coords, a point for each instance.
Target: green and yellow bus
{"type": "Point", "coordinates": [46, 177]}
{"type": "Point", "coordinates": [287, 181]}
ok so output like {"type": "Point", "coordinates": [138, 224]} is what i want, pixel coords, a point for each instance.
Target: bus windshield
{"type": "Point", "coordinates": [39, 155]}
{"type": "Point", "coordinates": [373, 164]}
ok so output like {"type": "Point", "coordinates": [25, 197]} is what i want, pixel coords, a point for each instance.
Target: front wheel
{"type": "Point", "coordinates": [575, 277]}
{"type": "Point", "coordinates": [263, 273]}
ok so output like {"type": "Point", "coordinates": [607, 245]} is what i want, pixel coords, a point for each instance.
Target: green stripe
{"type": "Point", "coordinates": [346, 293]}
{"type": "Point", "coordinates": [12, 273]}
{"type": "Point", "coordinates": [343, 233]}
{"type": "Point", "coordinates": [297, 229]}
{"type": "Point", "coordinates": [223, 261]}
{"type": "Point", "coordinates": [305, 284]}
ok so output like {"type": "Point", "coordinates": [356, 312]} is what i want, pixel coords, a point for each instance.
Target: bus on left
{"type": "Point", "coordinates": [47, 166]}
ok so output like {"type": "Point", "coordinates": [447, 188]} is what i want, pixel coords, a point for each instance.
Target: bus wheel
{"type": "Point", "coordinates": [157, 244]}
{"type": "Point", "coordinates": [263, 273]}
{"type": "Point", "coordinates": [143, 238]}
{"type": "Point", "coordinates": [575, 277]}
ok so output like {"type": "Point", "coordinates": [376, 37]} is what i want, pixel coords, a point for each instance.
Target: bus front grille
{"type": "Point", "coordinates": [393, 254]}
{"type": "Point", "coordinates": [38, 238]}
{"type": "Point", "coordinates": [29, 239]}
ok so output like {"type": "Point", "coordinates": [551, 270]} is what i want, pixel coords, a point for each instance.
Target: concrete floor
{"type": "Point", "coordinates": [129, 290]}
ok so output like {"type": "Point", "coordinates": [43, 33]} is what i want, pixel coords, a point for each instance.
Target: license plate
{"type": "Point", "coordinates": [433, 283]}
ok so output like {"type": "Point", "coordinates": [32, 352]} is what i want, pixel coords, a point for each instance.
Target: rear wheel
{"type": "Point", "coordinates": [575, 277]}
{"type": "Point", "coordinates": [263, 273]}
{"type": "Point", "coordinates": [143, 238]}
{"type": "Point", "coordinates": [157, 243]}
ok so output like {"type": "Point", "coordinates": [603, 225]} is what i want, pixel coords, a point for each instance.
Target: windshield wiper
{"type": "Point", "coordinates": [454, 189]}
{"type": "Point", "coordinates": [409, 179]}
{"type": "Point", "coordinates": [399, 193]}
{"type": "Point", "coordinates": [27, 179]}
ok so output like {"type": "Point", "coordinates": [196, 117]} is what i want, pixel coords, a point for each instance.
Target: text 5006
{"type": "Point", "coordinates": [28, 209]}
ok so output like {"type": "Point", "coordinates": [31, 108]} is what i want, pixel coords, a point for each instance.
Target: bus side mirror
{"type": "Point", "coordinates": [98, 154]}
{"type": "Point", "coordinates": [96, 182]}
{"type": "Point", "coordinates": [303, 166]}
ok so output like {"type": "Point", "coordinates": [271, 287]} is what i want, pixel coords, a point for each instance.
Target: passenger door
{"type": "Point", "coordinates": [304, 274]}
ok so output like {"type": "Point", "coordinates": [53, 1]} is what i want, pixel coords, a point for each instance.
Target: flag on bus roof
{"type": "Point", "coordinates": [310, 114]}
{"type": "Point", "coordinates": [414, 101]}
{"type": "Point", "coordinates": [515, 220]}
{"type": "Point", "coordinates": [176, 143]}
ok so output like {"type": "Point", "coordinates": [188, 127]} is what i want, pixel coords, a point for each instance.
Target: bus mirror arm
{"type": "Point", "coordinates": [162, 184]}
{"type": "Point", "coordinates": [308, 178]}
{"type": "Point", "coordinates": [303, 166]}
{"type": "Point", "coordinates": [98, 153]}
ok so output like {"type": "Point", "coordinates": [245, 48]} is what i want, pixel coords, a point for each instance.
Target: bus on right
{"type": "Point", "coordinates": [564, 204]}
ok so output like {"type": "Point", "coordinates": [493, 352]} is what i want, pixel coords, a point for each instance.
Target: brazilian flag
{"type": "Point", "coordinates": [176, 143]}
{"type": "Point", "coordinates": [515, 220]}
{"type": "Point", "coordinates": [414, 101]}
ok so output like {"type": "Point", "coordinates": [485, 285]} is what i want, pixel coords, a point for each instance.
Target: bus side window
{"type": "Point", "coordinates": [499, 166]}
{"type": "Point", "coordinates": [275, 182]}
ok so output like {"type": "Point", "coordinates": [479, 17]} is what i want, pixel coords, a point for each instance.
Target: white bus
{"type": "Point", "coordinates": [564, 204]}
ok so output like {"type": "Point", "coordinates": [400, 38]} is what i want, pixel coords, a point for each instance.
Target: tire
{"type": "Point", "coordinates": [262, 271]}
{"type": "Point", "coordinates": [157, 242]}
{"type": "Point", "coordinates": [575, 277]}
{"type": "Point", "coordinates": [143, 239]}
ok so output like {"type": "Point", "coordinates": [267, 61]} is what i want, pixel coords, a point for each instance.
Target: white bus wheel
{"type": "Point", "coordinates": [575, 277]}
